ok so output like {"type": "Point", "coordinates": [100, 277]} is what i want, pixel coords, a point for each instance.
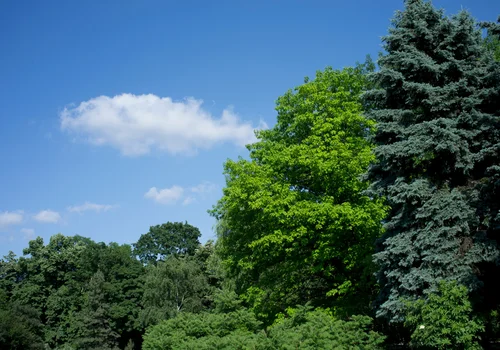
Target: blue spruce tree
{"type": "Point", "coordinates": [437, 111]}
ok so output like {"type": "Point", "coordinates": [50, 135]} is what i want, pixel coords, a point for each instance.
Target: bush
{"type": "Point", "coordinates": [318, 329]}
{"type": "Point", "coordinates": [300, 329]}
{"type": "Point", "coordinates": [443, 320]}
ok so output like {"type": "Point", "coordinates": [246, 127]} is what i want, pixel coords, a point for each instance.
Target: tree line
{"type": "Point", "coordinates": [367, 217]}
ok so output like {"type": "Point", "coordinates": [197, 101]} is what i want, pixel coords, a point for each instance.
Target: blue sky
{"type": "Point", "coordinates": [118, 115]}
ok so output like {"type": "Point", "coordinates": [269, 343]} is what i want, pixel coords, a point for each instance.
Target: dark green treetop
{"type": "Point", "coordinates": [171, 238]}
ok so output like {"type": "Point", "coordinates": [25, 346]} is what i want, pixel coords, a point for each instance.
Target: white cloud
{"type": "Point", "coordinates": [48, 216]}
{"type": "Point", "coordinates": [188, 200]}
{"type": "Point", "coordinates": [204, 187]}
{"type": "Point", "coordinates": [29, 233]}
{"type": "Point", "coordinates": [175, 193]}
{"type": "Point", "coordinates": [8, 218]}
{"type": "Point", "coordinates": [87, 206]}
{"type": "Point", "coordinates": [136, 124]}
{"type": "Point", "coordinates": [166, 195]}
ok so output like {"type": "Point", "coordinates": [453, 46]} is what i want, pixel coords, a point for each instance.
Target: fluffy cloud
{"type": "Point", "coordinates": [29, 233]}
{"type": "Point", "coordinates": [166, 195]}
{"type": "Point", "coordinates": [136, 124]}
{"type": "Point", "coordinates": [176, 193]}
{"type": "Point", "coordinates": [8, 218]}
{"type": "Point", "coordinates": [87, 206]}
{"type": "Point", "coordinates": [47, 216]}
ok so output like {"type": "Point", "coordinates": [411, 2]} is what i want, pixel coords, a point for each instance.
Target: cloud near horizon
{"type": "Point", "coordinates": [8, 218]}
{"type": "Point", "coordinates": [166, 195]}
{"type": "Point", "coordinates": [88, 206]}
{"type": "Point", "coordinates": [138, 124]}
{"type": "Point", "coordinates": [171, 195]}
{"type": "Point", "coordinates": [29, 233]}
{"type": "Point", "coordinates": [47, 216]}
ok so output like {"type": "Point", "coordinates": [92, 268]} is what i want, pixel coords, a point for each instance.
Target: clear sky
{"type": "Point", "coordinates": [117, 114]}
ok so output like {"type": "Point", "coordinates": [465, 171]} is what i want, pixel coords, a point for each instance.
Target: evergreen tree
{"type": "Point", "coordinates": [488, 201]}
{"type": "Point", "coordinates": [20, 326]}
{"type": "Point", "coordinates": [93, 327]}
{"type": "Point", "coordinates": [437, 137]}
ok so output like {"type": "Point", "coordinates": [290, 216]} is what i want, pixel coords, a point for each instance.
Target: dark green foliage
{"type": "Point", "coordinates": [51, 279]}
{"type": "Point", "coordinates": [9, 274]}
{"type": "Point", "coordinates": [91, 325]}
{"type": "Point", "coordinates": [124, 277]}
{"type": "Point", "coordinates": [172, 238]}
{"type": "Point", "coordinates": [444, 320]}
{"type": "Point", "coordinates": [20, 326]}
{"type": "Point", "coordinates": [89, 295]}
{"type": "Point", "coordinates": [436, 106]}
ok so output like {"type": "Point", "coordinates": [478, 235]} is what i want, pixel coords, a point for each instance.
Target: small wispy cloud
{"type": "Point", "coordinates": [88, 206]}
{"type": "Point", "coordinates": [174, 194]}
{"type": "Point", "coordinates": [47, 216]}
{"type": "Point", "coordinates": [204, 187]}
{"type": "Point", "coordinates": [166, 195]}
{"type": "Point", "coordinates": [188, 200]}
{"type": "Point", "coordinates": [8, 218]}
{"type": "Point", "coordinates": [29, 233]}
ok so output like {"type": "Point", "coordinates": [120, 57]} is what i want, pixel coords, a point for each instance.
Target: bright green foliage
{"type": "Point", "coordinates": [436, 108]}
{"type": "Point", "coordinates": [318, 329]}
{"type": "Point", "coordinates": [492, 43]}
{"type": "Point", "coordinates": [492, 40]}
{"type": "Point", "coordinates": [173, 286]}
{"type": "Point", "coordinates": [172, 238]}
{"type": "Point", "coordinates": [239, 329]}
{"type": "Point", "coordinates": [293, 225]}
{"type": "Point", "coordinates": [444, 320]}
{"type": "Point", "coordinates": [202, 331]}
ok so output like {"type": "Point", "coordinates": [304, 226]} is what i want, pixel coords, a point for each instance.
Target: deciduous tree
{"type": "Point", "coordinates": [162, 241]}
{"type": "Point", "coordinates": [294, 225]}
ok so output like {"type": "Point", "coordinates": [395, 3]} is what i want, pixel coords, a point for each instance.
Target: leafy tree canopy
{"type": "Point", "coordinates": [173, 286]}
{"type": "Point", "coordinates": [171, 238]}
{"type": "Point", "coordinates": [293, 224]}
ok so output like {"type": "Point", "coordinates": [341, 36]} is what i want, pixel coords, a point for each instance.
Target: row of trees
{"type": "Point", "coordinates": [369, 215]}
{"type": "Point", "coordinates": [74, 293]}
